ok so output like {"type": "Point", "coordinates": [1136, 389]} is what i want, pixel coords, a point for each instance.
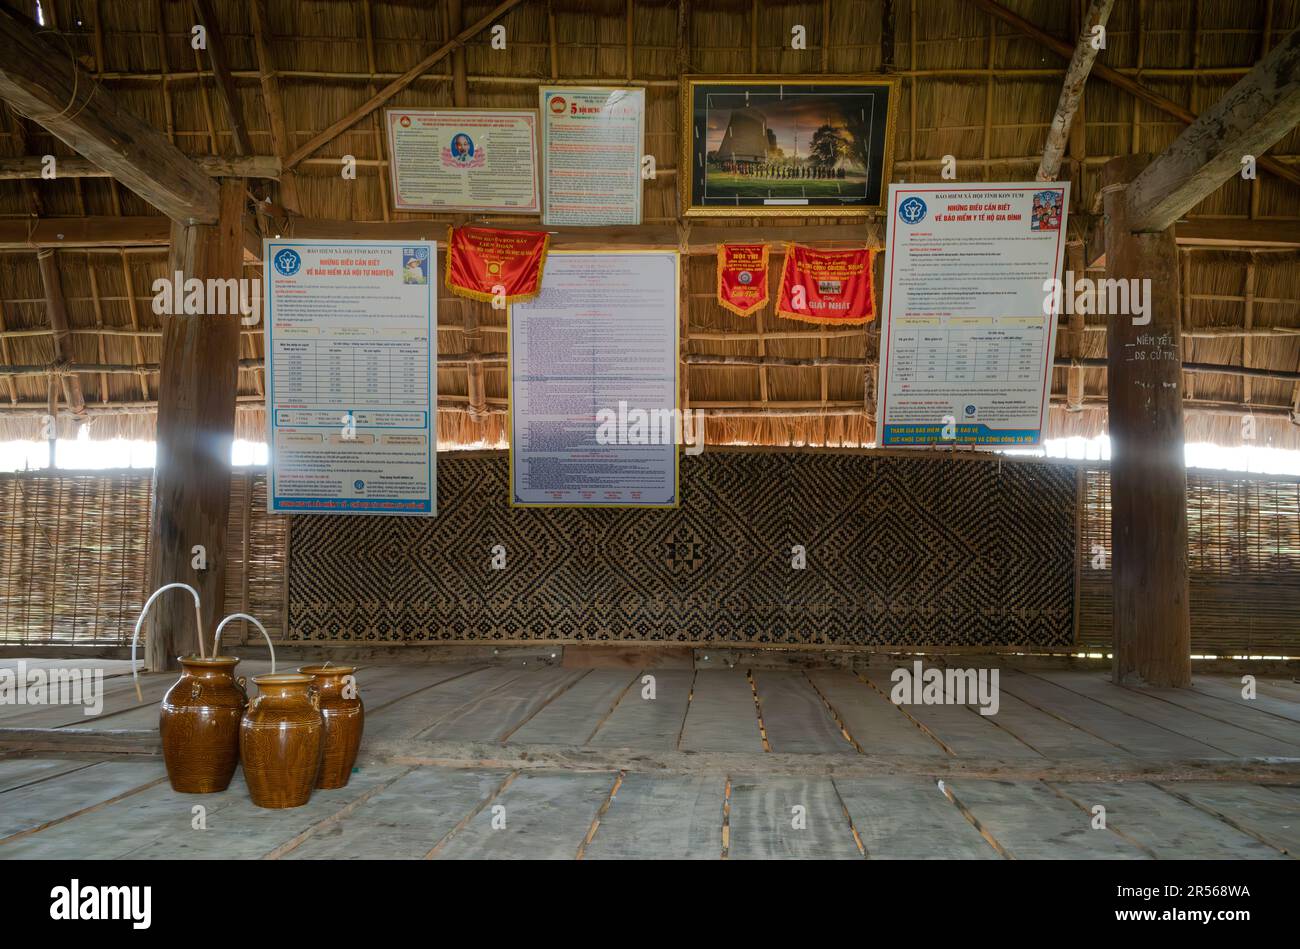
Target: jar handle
{"type": "Point", "coordinates": [313, 696]}
{"type": "Point", "coordinates": [195, 689]}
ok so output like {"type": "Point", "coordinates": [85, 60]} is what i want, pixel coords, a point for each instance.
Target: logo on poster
{"type": "Point", "coordinates": [912, 210]}
{"type": "Point", "coordinates": [558, 105]}
{"type": "Point", "coordinates": [745, 278]}
{"type": "Point", "coordinates": [287, 262]}
{"type": "Point", "coordinates": [970, 410]}
{"type": "Point", "coordinates": [359, 485]}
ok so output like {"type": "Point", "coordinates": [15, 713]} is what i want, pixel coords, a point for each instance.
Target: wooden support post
{"type": "Point", "coordinates": [1148, 474]}
{"type": "Point", "coordinates": [197, 391]}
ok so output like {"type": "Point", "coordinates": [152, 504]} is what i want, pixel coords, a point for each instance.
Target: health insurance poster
{"type": "Point", "coordinates": [598, 344]}
{"type": "Point", "coordinates": [351, 348]}
{"type": "Point", "coordinates": [967, 342]}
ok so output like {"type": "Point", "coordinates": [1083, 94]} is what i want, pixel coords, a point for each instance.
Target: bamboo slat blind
{"type": "Point", "coordinates": [1243, 547]}
{"type": "Point", "coordinates": [74, 556]}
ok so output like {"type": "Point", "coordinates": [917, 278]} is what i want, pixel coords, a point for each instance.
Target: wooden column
{"type": "Point", "coordinates": [1148, 474]}
{"type": "Point", "coordinates": [197, 388]}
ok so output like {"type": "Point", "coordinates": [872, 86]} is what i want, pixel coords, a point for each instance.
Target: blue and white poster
{"type": "Point", "coordinates": [351, 349]}
{"type": "Point", "coordinates": [969, 328]}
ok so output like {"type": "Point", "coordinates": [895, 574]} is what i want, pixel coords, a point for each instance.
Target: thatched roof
{"type": "Point", "coordinates": [971, 87]}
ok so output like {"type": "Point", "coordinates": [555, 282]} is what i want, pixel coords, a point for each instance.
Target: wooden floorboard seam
{"type": "Point", "coordinates": [925, 729]}
{"type": "Point", "coordinates": [614, 706]}
{"type": "Point", "coordinates": [474, 812]}
{"type": "Point", "coordinates": [726, 819]}
{"type": "Point", "coordinates": [690, 696]}
{"type": "Point", "coordinates": [758, 710]}
{"type": "Point", "coordinates": [835, 715]}
{"type": "Point", "coordinates": [563, 687]}
{"type": "Point", "coordinates": [453, 712]}
{"type": "Point", "coordinates": [85, 810]}
{"type": "Point", "coordinates": [1219, 815]}
{"type": "Point", "coordinates": [1220, 698]}
{"type": "Point", "coordinates": [329, 820]}
{"type": "Point", "coordinates": [857, 838]}
{"type": "Point", "coordinates": [424, 688]}
{"type": "Point", "coordinates": [974, 821]}
{"type": "Point", "coordinates": [600, 812]}
{"type": "Point", "coordinates": [1115, 708]}
{"type": "Point", "coordinates": [1213, 718]}
{"type": "Point", "coordinates": [1109, 824]}
{"type": "Point", "coordinates": [1046, 711]}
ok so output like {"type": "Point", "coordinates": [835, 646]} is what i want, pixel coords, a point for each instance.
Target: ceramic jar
{"type": "Point", "coordinates": [344, 717]}
{"type": "Point", "coordinates": [280, 740]}
{"type": "Point", "coordinates": [199, 724]}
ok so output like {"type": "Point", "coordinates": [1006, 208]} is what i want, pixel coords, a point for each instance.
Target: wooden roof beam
{"type": "Point", "coordinates": [1085, 54]}
{"type": "Point", "coordinates": [1117, 78]}
{"type": "Point", "coordinates": [38, 79]}
{"type": "Point", "coordinates": [1254, 114]}
{"type": "Point", "coordinates": [226, 91]}
{"type": "Point", "coordinates": [398, 84]}
{"type": "Point", "coordinates": [30, 167]}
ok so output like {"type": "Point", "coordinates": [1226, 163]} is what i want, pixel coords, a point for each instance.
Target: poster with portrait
{"type": "Point", "coordinates": [763, 146]}
{"type": "Point", "coordinates": [464, 160]}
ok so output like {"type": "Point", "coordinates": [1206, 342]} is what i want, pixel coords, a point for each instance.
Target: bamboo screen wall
{"type": "Point", "coordinates": [74, 551]}
{"type": "Point", "coordinates": [1244, 547]}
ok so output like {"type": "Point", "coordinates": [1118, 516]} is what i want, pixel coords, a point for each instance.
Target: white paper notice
{"type": "Point", "coordinates": [592, 140]}
{"type": "Point", "coordinates": [966, 344]}
{"type": "Point", "coordinates": [464, 159]}
{"type": "Point", "coordinates": [351, 352]}
{"type": "Point", "coordinates": [600, 338]}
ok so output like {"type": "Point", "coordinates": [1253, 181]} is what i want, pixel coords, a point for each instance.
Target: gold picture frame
{"type": "Point", "coordinates": [758, 148]}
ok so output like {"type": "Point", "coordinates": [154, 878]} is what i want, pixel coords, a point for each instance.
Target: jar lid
{"type": "Point", "coordinates": [282, 678]}
{"type": "Point", "coordinates": [327, 670]}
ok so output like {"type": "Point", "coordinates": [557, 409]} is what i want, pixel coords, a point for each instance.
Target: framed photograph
{"type": "Point", "coordinates": [765, 146]}
{"type": "Point", "coordinates": [464, 160]}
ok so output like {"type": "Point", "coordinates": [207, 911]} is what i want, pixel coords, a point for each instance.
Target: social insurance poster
{"type": "Point", "coordinates": [351, 384]}
{"type": "Point", "coordinates": [593, 383]}
{"type": "Point", "coordinates": [969, 329]}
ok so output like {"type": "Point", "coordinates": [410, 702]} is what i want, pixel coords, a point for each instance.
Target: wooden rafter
{"type": "Point", "coordinates": [1251, 116]}
{"type": "Point", "coordinates": [226, 91]}
{"type": "Point", "coordinates": [398, 84]}
{"type": "Point", "coordinates": [1085, 54]}
{"type": "Point", "coordinates": [42, 82]}
{"type": "Point", "coordinates": [1118, 79]}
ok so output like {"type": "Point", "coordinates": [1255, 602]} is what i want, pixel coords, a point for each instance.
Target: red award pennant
{"type": "Point", "coordinates": [482, 258]}
{"type": "Point", "coordinates": [827, 286]}
{"type": "Point", "coordinates": [742, 277]}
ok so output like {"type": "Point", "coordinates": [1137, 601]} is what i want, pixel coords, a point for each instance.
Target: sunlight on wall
{"type": "Point", "coordinates": [1198, 454]}
{"type": "Point", "coordinates": [83, 454]}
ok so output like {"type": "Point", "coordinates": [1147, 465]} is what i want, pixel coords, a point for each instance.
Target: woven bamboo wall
{"type": "Point", "coordinates": [1243, 546]}
{"type": "Point", "coordinates": [1244, 549]}
{"type": "Point", "coordinates": [74, 550]}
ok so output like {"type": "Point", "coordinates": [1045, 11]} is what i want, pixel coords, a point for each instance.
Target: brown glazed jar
{"type": "Point", "coordinates": [345, 718]}
{"type": "Point", "coordinates": [199, 724]}
{"type": "Point", "coordinates": [280, 740]}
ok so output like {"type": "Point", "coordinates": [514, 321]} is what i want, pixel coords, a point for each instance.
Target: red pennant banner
{"type": "Point", "coordinates": [742, 277]}
{"type": "Point", "coordinates": [827, 286]}
{"type": "Point", "coordinates": [482, 258]}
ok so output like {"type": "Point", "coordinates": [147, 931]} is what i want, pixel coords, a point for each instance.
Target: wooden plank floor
{"type": "Point", "coordinates": [603, 791]}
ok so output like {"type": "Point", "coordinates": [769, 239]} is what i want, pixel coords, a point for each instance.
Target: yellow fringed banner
{"type": "Point", "coordinates": [742, 277]}
{"type": "Point", "coordinates": [827, 286]}
{"type": "Point", "coordinates": [484, 262]}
